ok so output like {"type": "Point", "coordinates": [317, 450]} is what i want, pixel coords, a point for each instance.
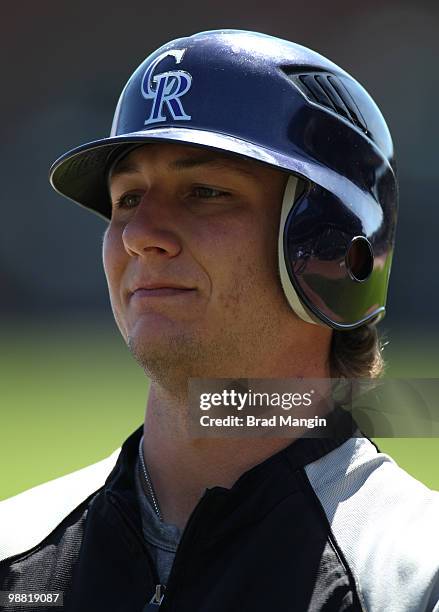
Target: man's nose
{"type": "Point", "coordinates": [151, 229]}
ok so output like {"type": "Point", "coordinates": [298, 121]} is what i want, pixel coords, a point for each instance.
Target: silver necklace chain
{"type": "Point", "coordinates": [148, 482]}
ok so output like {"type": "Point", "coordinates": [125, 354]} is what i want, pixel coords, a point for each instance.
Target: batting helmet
{"type": "Point", "coordinates": [282, 104]}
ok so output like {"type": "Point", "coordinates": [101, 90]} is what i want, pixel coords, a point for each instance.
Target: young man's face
{"type": "Point", "coordinates": [190, 257]}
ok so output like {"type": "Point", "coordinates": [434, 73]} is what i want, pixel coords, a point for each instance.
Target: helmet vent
{"type": "Point", "coordinates": [327, 90]}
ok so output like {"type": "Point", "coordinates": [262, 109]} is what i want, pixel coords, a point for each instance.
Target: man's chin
{"type": "Point", "coordinates": [169, 357]}
{"type": "Point", "coordinates": [168, 360]}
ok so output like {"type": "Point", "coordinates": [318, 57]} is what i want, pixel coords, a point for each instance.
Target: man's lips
{"type": "Point", "coordinates": [159, 290]}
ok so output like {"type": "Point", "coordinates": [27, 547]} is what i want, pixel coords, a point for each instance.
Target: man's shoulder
{"type": "Point", "coordinates": [383, 520]}
{"type": "Point", "coordinates": [366, 488]}
{"type": "Point", "coordinates": [357, 467]}
{"type": "Point", "coordinates": [29, 517]}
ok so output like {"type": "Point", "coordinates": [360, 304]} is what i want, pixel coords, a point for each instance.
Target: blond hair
{"type": "Point", "coordinates": [357, 353]}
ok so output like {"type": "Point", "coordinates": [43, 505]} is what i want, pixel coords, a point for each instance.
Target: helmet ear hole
{"type": "Point", "coordinates": [359, 259]}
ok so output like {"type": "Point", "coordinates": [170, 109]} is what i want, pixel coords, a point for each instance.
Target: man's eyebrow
{"type": "Point", "coordinates": [123, 167]}
{"type": "Point", "coordinates": [188, 163]}
{"type": "Point", "coordinates": [216, 161]}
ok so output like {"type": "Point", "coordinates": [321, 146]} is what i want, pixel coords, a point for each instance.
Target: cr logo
{"type": "Point", "coordinates": [166, 88]}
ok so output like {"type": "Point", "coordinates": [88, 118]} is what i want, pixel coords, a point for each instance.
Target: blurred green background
{"type": "Point", "coordinates": [71, 394]}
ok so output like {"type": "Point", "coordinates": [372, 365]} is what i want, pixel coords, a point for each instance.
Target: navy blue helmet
{"type": "Point", "coordinates": [282, 104]}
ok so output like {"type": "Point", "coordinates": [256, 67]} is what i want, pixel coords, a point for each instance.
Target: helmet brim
{"type": "Point", "coordinates": [81, 174]}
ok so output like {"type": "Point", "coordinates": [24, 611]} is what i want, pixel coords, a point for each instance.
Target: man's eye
{"type": "Point", "coordinates": [208, 193]}
{"type": "Point", "coordinates": [128, 200]}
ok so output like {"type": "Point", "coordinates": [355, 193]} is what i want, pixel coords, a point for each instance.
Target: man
{"type": "Point", "coordinates": [251, 198]}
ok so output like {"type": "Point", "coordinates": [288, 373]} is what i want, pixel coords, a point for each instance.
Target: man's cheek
{"type": "Point", "coordinates": [114, 259]}
{"type": "Point", "coordinates": [231, 298]}
{"type": "Point", "coordinates": [109, 250]}
{"type": "Point", "coordinates": [119, 316]}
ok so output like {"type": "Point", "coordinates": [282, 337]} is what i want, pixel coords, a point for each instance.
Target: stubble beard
{"type": "Point", "coordinates": [180, 357]}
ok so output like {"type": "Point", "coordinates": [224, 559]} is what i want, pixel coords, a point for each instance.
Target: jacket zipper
{"type": "Point", "coordinates": [187, 534]}
{"type": "Point", "coordinates": [157, 598]}
{"type": "Point", "coordinates": [163, 596]}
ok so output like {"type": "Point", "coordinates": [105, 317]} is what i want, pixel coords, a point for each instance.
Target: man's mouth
{"type": "Point", "coordinates": [146, 292]}
{"type": "Point", "coordinates": [157, 289]}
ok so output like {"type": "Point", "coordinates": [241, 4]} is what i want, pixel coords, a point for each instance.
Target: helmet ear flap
{"type": "Point", "coordinates": [328, 266]}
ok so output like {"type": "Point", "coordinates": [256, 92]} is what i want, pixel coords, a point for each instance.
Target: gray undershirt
{"type": "Point", "coordinates": [161, 538]}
